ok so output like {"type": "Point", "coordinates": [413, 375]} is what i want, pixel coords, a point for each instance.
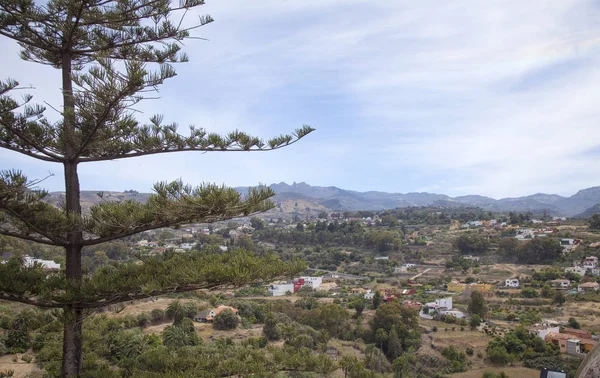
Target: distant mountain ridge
{"type": "Point", "coordinates": [300, 196]}
{"type": "Point", "coordinates": [335, 198]}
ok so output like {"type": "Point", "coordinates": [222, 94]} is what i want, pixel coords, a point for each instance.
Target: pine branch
{"type": "Point", "coordinates": [30, 301]}
{"type": "Point", "coordinates": [158, 139]}
{"type": "Point", "coordinates": [173, 204]}
{"type": "Point", "coordinates": [154, 276]}
{"type": "Point", "coordinates": [27, 152]}
{"type": "Point", "coordinates": [24, 236]}
{"type": "Point", "coordinates": [21, 206]}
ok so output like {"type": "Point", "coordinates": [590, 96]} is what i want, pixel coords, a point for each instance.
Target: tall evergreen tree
{"type": "Point", "coordinates": [104, 50]}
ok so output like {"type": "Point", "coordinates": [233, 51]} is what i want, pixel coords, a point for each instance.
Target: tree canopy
{"type": "Point", "coordinates": [110, 55]}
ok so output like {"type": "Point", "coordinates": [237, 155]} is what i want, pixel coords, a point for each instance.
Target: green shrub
{"type": "Point", "coordinates": [226, 319]}
{"type": "Point", "coordinates": [27, 358]}
{"type": "Point", "coordinates": [144, 319]}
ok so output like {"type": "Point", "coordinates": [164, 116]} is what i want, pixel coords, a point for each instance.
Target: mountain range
{"type": "Point", "coordinates": [585, 202]}
{"type": "Point", "coordinates": [302, 196]}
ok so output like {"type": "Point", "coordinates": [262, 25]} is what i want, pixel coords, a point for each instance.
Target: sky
{"type": "Point", "coordinates": [497, 98]}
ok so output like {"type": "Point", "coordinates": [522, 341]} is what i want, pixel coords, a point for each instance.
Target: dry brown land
{"type": "Point", "coordinates": [462, 340]}
{"type": "Point", "coordinates": [21, 368]}
{"type": "Point", "coordinates": [512, 372]}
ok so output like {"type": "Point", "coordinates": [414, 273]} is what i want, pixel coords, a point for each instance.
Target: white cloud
{"type": "Point", "coordinates": [495, 98]}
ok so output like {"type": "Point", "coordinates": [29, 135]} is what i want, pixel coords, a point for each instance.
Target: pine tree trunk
{"type": "Point", "coordinates": [73, 335]}
{"type": "Point", "coordinates": [72, 343]}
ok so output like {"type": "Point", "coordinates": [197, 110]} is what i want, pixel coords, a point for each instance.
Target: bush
{"type": "Point", "coordinates": [27, 358]}
{"type": "Point", "coordinates": [529, 292]}
{"type": "Point", "coordinates": [434, 328]}
{"type": "Point", "coordinates": [226, 319]}
{"type": "Point", "coordinates": [158, 315]}
{"type": "Point", "coordinates": [144, 319]}
{"type": "Point", "coordinates": [190, 310]}
{"type": "Point", "coordinates": [498, 355]}
{"type": "Point", "coordinates": [475, 321]}
{"type": "Point", "coordinates": [17, 341]}
{"type": "Point", "coordinates": [469, 351]}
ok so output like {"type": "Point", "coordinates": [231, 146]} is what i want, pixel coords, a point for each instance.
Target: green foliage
{"type": "Point", "coordinates": [179, 336]}
{"type": "Point", "coordinates": [399, 324]}
{"type": "Point", "coordinates": [594, 222]}
{"type": "Point", "coordinates": [158, 315]}
{"type": "Point", "coordinates": [270, 330]}
{"type": "Point", "coordinates": [144, 319]}
{"type": "Point", "coordinates": [376, 299]}
{"type": "Point", "coordinates": [498, 355]}
{"type": "Point", "coordinates": [559, 297]}
{"type": "Point", "coordinates": [358, 304]}
{"type": "Point", "coordinates": [17, 341]}
{"type": "Point", "coordinates": [257, 223]}
{"type": "Point", "coordinates": [477, 304]}
{"type": "Point", "coordinates": [539, 251]}
{"type": "Point", "coordinates": [530, 317]}
{"type": "Point", "coordinates": [573, 323]}
{"type": "Point", "coordinates": [126, 344]}
{"type": "Point", "coordinates": [155, 275]}
{"type": "Point", "coordinates": [507, 247]}
{"type": "Point", "coordinates": [226, 319]}
{"type": "Point", "coordinates": [471, 243]}
{"type": "Point", "coordinates": [475, 321]}
{"type": "Point", "coordinates": [546, 291]}
{"type": "Point", "coordinates": [529, 292]}
{"type": "Point", "coordinates": [456, 358]}
{"type": "Point", "coordinates": [518, 345]}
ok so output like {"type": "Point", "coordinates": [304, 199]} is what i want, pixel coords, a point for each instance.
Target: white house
{"type": "Point", "coordinates": [409, 265]}
{"type": "Point", "coordinates": [382, 258]}
{"type": "Point", "coordinates": [313, 282]}
{"type": "Point", "coordinates": [596, 272]}
{"type": "Point", "coordinates": [471, 257]}
{"type": "Point", "coordinates": [187, 246]}
{"type": "Point", "coordinates": [279, 290]}
{"type": "Point", "coordinates": [369, 295]}
{"type": "Point", "coordinates": [588, 287]}
{"type": "Point", "coordinates": [576, 269]}
{"type": "Point", "coordinates": [563, 284]}
{"type": "Point", "coordinates": [400, 269]}
{"type": "Point", "coordinates": [456, 313]}
{"type": "Point", "coordinates": [542, 330]}
{"type": "Point", "coordinates": [46, 264]}
{"type": "Point", "coordinates": [442, 303]}
{"type": "Point", "coordinates": [568, 245]}
{"type": "Point", "coordinates": [590, 262]}
{"type": "Point", "coordinates": [511, 282]}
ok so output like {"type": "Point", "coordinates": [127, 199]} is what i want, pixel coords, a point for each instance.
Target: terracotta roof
{"type": "Point", "coordinates": [218, 310]}
{"type": "Point", "coordinates": [558, 336]}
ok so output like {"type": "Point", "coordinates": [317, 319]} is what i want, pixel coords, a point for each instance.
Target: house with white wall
{"type": "Point", "coordinates": [511, 282]}
{"type": "Point", "coordinates": [313, 282]}
{"type": "Point", "coordinates": [279, 290]}
{"type": "Point", "coordinates": [590, 263]}
{"type": "Point", "coordinates": [576, 270]}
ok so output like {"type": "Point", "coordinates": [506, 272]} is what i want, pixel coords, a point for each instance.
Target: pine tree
{"type": "Point", "coordinates": [110, 54]}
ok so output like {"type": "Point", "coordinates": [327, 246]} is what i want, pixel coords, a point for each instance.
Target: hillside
{"type": "Point", "coordinates": [589, 212]}
{"type": "Point", "coordinates": [301, 198]}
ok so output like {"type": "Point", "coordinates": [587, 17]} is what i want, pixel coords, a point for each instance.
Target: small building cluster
{"type": "Point", "coordinates": [440, 307]}
{"type": "Point", "coordinates": [209, 316]}
{"type": "Point", "coordinates": [292, 286]}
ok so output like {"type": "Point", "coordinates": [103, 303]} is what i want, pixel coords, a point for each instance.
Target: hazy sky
{"type": "Point", "coordinates": [499, 98]}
